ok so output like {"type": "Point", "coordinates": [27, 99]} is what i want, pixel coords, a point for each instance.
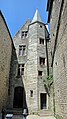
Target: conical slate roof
{"type": "Point", "coordinates": [36, 17]}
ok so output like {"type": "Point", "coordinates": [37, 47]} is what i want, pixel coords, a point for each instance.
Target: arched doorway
{"type": "Point", "coordinates": [18, 97]}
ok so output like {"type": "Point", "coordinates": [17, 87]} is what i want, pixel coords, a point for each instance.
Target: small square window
{"type": "Point", "coordinates": [39, 73]}
{"type": "Point", "coordinates": [24, 34]}
{"type": "Point", "coordinates": [40, 26]}
{"type": "Point", "coordinates": [41, 41]}
{"type": "Point", "coordinates": [42, 61]}
{"type": "Point", "coordinates": [31, 93]}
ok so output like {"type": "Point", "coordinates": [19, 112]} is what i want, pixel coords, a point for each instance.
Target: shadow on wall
{"type": "Point", "coordinates": [17, 94]}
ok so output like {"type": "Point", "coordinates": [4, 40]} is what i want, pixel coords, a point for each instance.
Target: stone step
{"type": "Point", "coordinates": [17, 111]}
{"type": "Point", "coordinates": [14, 111]}
{"type": "Point", "coordinates": [45, 113]}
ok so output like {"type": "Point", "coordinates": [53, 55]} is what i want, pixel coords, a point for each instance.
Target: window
{"type": "Point", "coordinates": [24, 34]}
{"type": "Point", "coordinates": [51, 53]}
{"type": "Point", "coordinates": [42, 61]}
{"type": "Point", "coordinates": [31, 93]}
{"type": "Point", "coordinates": [20, 69]}
{"type": "Point", "coordinates": [41, 41]}
{"type": "Point", "coordinates": [64, 60]}
{"type": "Point", "coordinates": [22, 50]}
{"type": "Point", "coordinates": [39, 73]}
{"type": "Point", "coordinates": [40, 26]}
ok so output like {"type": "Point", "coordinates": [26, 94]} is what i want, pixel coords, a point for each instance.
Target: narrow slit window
{"type": "Point", "coordinates": [22, 69]}
{"type": "Point", "coordinates": [31, 93]}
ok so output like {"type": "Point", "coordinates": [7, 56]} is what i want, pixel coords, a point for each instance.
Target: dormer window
{"type": "Point", "coordinates": [24, 34]}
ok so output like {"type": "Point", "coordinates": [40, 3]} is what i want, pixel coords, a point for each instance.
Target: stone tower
{"type": "Point", "coordinates": [30, 44]}
{"type": "Point", "coordinates": [36, 63]}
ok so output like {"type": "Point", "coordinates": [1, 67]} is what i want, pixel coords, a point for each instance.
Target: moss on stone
{"type": "Point", "coordinates": [59, 117]}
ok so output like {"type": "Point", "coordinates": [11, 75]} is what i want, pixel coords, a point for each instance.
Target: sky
{"type": "Point", "coordinates": [17, 12]}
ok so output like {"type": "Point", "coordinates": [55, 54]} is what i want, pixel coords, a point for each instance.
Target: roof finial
{"type": "Point", "coordinates": [36, 16]}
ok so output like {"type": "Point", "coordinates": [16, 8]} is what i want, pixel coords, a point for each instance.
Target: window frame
{"type": "Point", "coordinates": [31, 93]}
{"type": "Point", "coordinates": [41, 41]}
{"type": "Point", "coordinates": [42, 61]}
{"type": "Point", "coordinates": [22, 50]}
{"type": "Point", "coordinates": [40, 73]}
{"type": "Point", "coordinates": [24, 34]}
{"type": "Point", "coordinates": [20, 69]}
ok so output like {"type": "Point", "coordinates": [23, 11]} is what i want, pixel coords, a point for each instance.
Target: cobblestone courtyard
{"type": "Point", "coordinates": [38, 117]}
{"type": "Point", "coordinates": [34, 117]}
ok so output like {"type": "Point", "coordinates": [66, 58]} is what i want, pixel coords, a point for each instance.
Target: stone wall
{"type": "Point", "coordinates": [58, 28]}
{"type": "Point", "coordinates": [34, 50]}
{"type": "Point", "coordinates": [12, 78]}
{"type": "Point", "coordinates": [5, 59]}
{"type": "Point", "coordinates": [31, 82]}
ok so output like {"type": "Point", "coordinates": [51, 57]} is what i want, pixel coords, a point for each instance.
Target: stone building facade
{"type": "Point", "coordinates": [6, 53]}
{"type": "Point", "coordinates": [57, 17]}
{"type": "Point", "coordinates": [30, 43]}
{"type": "Point", "coordinates": [24, 66]}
